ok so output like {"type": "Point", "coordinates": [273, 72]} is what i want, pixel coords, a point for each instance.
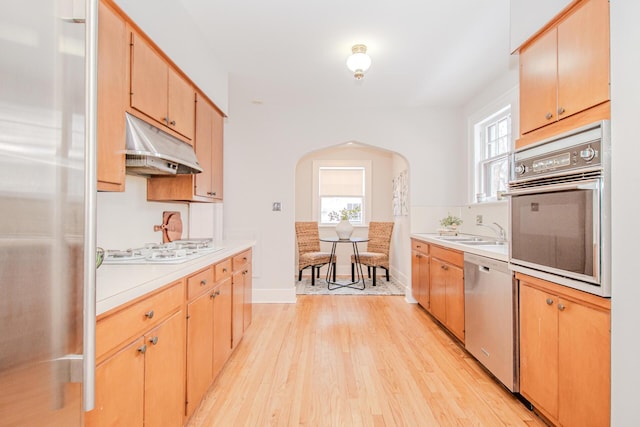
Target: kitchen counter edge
{"type": "Point", "coordinates": [502, 255]}
{"type": "Point", "coordinates": [119, 284]}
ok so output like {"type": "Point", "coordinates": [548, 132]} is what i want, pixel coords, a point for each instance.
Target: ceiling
{"type": "Point", "coordinates": [424, 52]}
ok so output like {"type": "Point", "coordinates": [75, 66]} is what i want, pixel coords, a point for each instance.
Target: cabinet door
{"type": "Point", "coordinates": [149, 79]}
{"type": "Point", "coordinates": [438, 289]}
{"type": "Point", "coordinates": [538, 82]}
{"type": "Point", "coordinates": [584, 365]}
{"type": "Point", "coordinates": [112, 92]}
{"type": "Point", "coordinates": [120, 389]}
{"type": "Point", "coordinates": [248, 296]}
{"type": "Point", "coordinates": [217, 148]}
{"type": "Point", "coordinates": [583, 58]}
{"type": "Point", "coordinates": [222, 325]}
{"type": "Point", "coordinates": [181, 104]}
{"type": "Point", "coordinates": [416, 290]}
{"type": "Point", "coordinates": [203, 147]}
{"type": "Point", "coordinates": [164, 375]}
{"type": "Point", "coordinates": [539, 348]}
{"type": "Point", "coordinates": [455, 300]}
{"type": "Point", "coordinates": [237, 320]}
{"type": "Point", "coordinates": [199, 349]}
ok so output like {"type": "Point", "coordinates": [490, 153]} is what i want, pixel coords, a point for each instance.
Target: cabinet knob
{"type": "Point", "coordinates": [224, 270]}
{"type": "Point", "coordinates": [549, 301]}
{"type": "Point", "coordinates": [549, 116]}
{"type": "Point", "coordinates": [561, 307]}
{"type": "Point", "coordinates": [203, 282]}
{"type": "Point", "coordinates": [213, 295]}
{"type": "Point", "coordinates": [166, 120]}
{"type": "Point", "coordinates": [560, 110]}
{"type": "Point", "coordinates": [149, 314]}
{"type": "Point", "coordinates": [444, 267]}
{"type": "Point", "coordinates": [172, 123]}
{"type": "Point", "coordinates": [142, 349]}
{"type": "Point", "coordinates": [153, 340]}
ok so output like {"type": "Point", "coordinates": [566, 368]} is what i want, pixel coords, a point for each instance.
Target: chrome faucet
{"type": "Point", "coordinates": [500, 231]}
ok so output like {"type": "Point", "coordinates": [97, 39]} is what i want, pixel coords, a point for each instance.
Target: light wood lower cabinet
{"type": "Point", "coordinates": [446, 288]}
{"type": "Point", "coordinates": [142, 382]}
{"type": "Point", "coordinates": [420, 272]}
{"type": "Point", "coordinates": [208, 329]}
{"type": "Point", "coordinates": [242, 295]}
{"type": "Point", "coordinates": [565, 359]}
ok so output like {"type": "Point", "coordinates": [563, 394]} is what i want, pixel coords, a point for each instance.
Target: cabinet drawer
{"type": "Point", "coordinates": [136, 318]}
{"type": "Point", "coordinates": [448, 255]}
{"type": "Point", "coordinates": [241, 259]}
{"type": "Point", "coordinates": [199, 282]}
{"type": "Point", "coordinates": [223, 269]}
{"type": "Point", "coordinates": [420, 246]}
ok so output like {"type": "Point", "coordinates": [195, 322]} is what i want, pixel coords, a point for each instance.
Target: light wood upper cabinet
{"type": "Point", "coordinates": [208, 144]}
{"type": "Point", "coordinates": [209, 149]}
{"type": "Point", "coordinates": [565, 71]}
{"type": "Point", "coordinates": [160, 92]}
{"type": "Point", "coordinates": [112, 100]}
{"type": "Point", "coordinates": [565, 357]}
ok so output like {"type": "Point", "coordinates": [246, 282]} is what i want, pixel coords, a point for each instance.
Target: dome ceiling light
{"type": "Point", "coordinates": [359, 62]}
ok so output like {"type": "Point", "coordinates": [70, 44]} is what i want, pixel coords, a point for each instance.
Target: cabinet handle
{"type": "Point", "coordinates": [172, 123]}
{"type": "Point", "coordinates": [211, 193]}
{"type": "Point", "coordinates": [560, 110]}
{"type": "Point", "coordinates": [549, 116]}
{"type": "Point", "coordinates": [561, 307]}
{"type": "Point", "coordinates": [549, 301]}
{"type": "Point", "coordinates": [142, 349]}
{"type": "Point", "coordinates": [153, 340]}
{"type": "Point", "coordinates": [203, 282]}
{"type": "Point", "coordinates": [149, 314]}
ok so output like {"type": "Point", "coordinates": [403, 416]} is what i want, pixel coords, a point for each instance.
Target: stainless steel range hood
{"type": "Point", "coordinates": [150, 151]}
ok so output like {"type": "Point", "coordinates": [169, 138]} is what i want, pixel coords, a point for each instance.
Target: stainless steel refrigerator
{"type": "Point", "coordinates": [47, 211]}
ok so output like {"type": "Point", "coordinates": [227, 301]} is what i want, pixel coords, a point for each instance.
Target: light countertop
{"type": "Point", "coordinates": [117, 284]}
{"type": "Point", "coordinates": [499, 252]}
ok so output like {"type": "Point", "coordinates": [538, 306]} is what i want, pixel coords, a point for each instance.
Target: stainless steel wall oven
{"type": "Point", "coordinates": [560, 195]}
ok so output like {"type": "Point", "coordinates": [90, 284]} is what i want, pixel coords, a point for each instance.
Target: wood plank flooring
{"type": "Point", "coordinates": [354, 361]}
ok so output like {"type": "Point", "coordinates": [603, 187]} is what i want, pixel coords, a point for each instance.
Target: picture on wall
{"type": "Point", "coordinates": [400, 194]}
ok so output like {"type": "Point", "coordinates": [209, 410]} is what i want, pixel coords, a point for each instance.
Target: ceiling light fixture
{"type": "Point", "coordinates": [359, 62]}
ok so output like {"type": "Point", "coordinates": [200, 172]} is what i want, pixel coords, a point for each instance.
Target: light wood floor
{"type": "Point", "coordinates": [354, 361]}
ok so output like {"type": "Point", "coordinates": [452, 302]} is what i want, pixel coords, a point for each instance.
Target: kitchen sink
{"type": "Point", "coordinates": [472, 240]}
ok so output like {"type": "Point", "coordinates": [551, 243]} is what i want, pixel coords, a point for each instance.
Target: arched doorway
{"type": "Point", "coordinates": [386, 198]}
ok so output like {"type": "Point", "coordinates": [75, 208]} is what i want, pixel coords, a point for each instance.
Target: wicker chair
{"type": "Point", "coordinates": [309, 254]}
{"type": "Point", "coordinates": [377, 253]}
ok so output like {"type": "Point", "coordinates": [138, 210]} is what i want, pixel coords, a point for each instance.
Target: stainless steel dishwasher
{"type": "Point", "coordinates": [490, 317]}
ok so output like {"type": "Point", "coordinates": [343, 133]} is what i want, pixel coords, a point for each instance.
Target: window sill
{"type": "Point", "coordinates": [489, 203]}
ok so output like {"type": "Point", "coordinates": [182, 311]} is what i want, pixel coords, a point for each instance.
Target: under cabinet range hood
{"type": "Point", "coordinates": [150, 151]}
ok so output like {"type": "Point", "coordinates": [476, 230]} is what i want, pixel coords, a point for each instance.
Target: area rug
{"type": "Point", "coordinates": [382, 287]}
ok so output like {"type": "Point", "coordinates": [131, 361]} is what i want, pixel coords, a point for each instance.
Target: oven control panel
{"type": "Point", "coordinates": [582, 156]}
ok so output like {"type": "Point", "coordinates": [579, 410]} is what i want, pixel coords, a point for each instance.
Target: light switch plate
{"type": "Point", "coordinates": [478, 219]}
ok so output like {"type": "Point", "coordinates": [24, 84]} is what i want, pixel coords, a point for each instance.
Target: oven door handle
{"type": "Point", "coordinates": [582, 185]}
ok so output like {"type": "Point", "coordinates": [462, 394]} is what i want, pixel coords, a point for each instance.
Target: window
{"type": "Point", "coordinates": [340, 188]}
{"type": "Point", "coordinates": [492, 145]}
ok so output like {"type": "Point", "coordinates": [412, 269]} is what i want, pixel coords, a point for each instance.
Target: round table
{"type": "Point", "coordinates": [357, 284]}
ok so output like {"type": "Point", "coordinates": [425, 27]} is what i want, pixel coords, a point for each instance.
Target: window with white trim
{"type": "Point", "coordinates": [341, 187]}
{"type": "Point", "coordinates": [492, 145]}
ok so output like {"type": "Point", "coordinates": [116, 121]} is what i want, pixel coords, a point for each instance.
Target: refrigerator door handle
{"type": "Point", "coordinates": [90, 220]}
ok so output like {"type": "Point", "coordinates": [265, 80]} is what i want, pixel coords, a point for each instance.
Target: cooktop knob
{"type": "Point", "coordinates": [521, 169]}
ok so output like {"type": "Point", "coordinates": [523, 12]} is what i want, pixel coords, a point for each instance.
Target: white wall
{"type": "Point", "coordinates": [263, 144]}
{"type": "Point", "coordinates": [625, 205]}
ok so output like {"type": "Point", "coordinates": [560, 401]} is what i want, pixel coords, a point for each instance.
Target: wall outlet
{"type": "Point", "coordinates": [277, 207]}
{"type": "Point", "coordinates": [478, 219]}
